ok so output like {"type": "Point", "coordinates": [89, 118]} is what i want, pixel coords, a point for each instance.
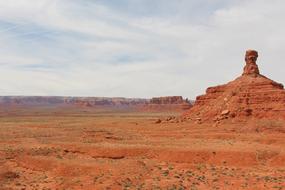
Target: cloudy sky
{"type": "Point", "coordinates": [135, 48]}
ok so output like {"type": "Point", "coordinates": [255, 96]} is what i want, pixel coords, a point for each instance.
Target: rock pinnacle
{"type": "Point", "coordinates": [251, 68]}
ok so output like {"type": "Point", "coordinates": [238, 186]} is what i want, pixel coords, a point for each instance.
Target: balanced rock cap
{"type": "Point", "coordinates": [251, 52]}
{"type": "Point", "coordinates": [251, 67]}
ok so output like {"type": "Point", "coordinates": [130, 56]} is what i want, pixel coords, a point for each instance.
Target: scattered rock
{"type": "Point", "coordinates": [198, 119]}
{"type": "Point", "coordinates": [170, 118]}
{"type": "Point", "coordinates": [158, 121]}
{"type": "Point", "coordinates": [225, 112]}
{"type": "Point", "coordinates": [10, 175]}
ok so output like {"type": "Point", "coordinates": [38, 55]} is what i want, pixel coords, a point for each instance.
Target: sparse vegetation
{"type": "Point", "coordinates": [84, 151]}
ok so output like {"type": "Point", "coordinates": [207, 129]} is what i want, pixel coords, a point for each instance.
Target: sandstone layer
{"type": "Point", "coordinates": [167, 100]}
{"type": "Point", "coordinates": [251, 95]}
{"type": "Point", "coordinates": [170, 103]}
{"type": "Point", "coordinates": [59, 100]}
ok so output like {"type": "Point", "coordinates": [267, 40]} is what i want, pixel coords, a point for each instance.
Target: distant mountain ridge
{"type": "Point", "coordinates": [91, 101]}
{"type": "Point", "coordinates": [54, 100]}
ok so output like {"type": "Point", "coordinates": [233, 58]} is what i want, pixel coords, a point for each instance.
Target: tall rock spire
{"type": "Point", "coordinates": [251, 67]}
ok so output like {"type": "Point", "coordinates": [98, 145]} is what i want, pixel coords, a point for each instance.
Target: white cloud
{"type": "Point", "coordinates": [91, 49]}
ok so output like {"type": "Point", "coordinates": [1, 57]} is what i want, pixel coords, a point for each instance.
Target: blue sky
{"type": "Point", "coordinates": [135, 48]}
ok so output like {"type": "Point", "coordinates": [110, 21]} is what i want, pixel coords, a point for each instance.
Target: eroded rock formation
{"type": "Point", "coordinates": [251, 67]}
{"type": "Point", "coordinates": [168, 103]}
{"type": "Point", "coordinates": [76, 101]}
{"type": "Point", "coordinates": [251, 95]}
{"type": "Point", "coordinates": [167, 100]}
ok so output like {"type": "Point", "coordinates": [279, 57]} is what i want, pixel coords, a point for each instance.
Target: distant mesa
{"type": "Point", "coordinates": [251, 95]}
{"type": "Point", "coordinates": [168, 103]}
{"type": "Point", "coordinates": [69, 101]}
{"type": "Point", "coordinates": [168, 100]}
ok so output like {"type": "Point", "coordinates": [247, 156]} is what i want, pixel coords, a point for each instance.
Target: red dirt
{"type": "Point", "coordinates": [88, 149]}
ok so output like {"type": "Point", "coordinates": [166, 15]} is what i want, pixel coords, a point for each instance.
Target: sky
{"type": "Point", "coordinates": [135, 48]}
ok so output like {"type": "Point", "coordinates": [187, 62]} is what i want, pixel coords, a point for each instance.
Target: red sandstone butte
{"type": "Point", "coordinates": [167, 100]}
{"type": "Point", "coordinates": [169, 103]}
{"type": "Point", "coordinates": [249, 96]}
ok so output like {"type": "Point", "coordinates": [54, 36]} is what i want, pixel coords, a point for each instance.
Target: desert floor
{"type": "Point", "coordinates": [102, 149]}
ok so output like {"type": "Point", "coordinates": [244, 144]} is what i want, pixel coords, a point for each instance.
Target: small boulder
{"type": "Point", "coordinates": [170, 118]}
{"type": "Point", "coordinates": [225, 112]}
{"type": "Point", "coordinates": [158, 121]}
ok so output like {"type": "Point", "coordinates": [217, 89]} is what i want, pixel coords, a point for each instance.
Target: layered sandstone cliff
{"type": "Point", "coordinates": [155, 104]}
{"type": "Point", "coordinates": [251, 95]}
{"type": "Point", "coordinates": [167, 100]}
{"type": "Point", "coordinates": [78, 101]}
{"type": "Point", "coordinates": [169, 103]}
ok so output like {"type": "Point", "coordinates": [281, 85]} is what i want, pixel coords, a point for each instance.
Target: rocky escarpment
{"type": "Point", "coordinates": [168, 103]}
{"type": "Point", "coordinates": [103, 101]}
{"type": "Point", "coordinates": [168, 100]}
{"type": "Point", "coordinates": [156, 104]}
{"type": "Point", "coordinates": [77, 101]}
{"type": "Point", "coordinates": [251, 95]}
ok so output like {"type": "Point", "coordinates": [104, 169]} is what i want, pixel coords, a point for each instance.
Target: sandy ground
{"type": "Point", "coordinates": [87, 149]}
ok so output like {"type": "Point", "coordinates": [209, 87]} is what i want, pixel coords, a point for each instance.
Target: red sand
{"type": "Point", "coordinates": [88, 149]}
